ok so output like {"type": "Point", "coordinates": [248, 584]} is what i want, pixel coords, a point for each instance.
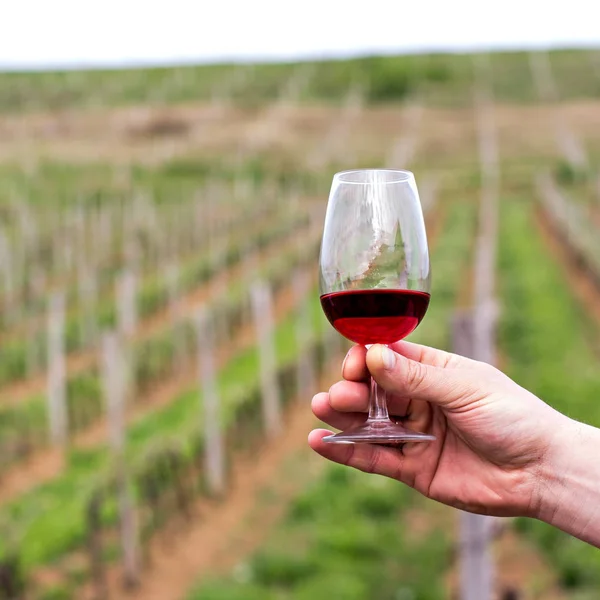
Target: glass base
{"type": "Point", "coordinates": [378, 432]}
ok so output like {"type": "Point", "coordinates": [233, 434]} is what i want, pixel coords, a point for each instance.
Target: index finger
{"type": "Point", "coordinates": [355, 365]}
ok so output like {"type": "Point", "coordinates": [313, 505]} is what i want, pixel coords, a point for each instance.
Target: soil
{"type": "Point", "coordinates": [136, 134]}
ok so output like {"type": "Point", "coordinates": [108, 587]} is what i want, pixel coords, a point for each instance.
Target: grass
{"type": "Point", "coordinates": [444, 78]}
{"type": "Point", "coordinates": [544, 336]}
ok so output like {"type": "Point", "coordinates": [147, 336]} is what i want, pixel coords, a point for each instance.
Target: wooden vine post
{"type": "Point", "coordinates": [95, 549]}
{"type": "Point", "coordinates": [114, 375]}
{"type": "Point", "coordinates": [88, 301]}
{"type": "Point", "coordinates": [172, 278]}
{"type": "Point", "coordinates": [58, 417]}
{"type": "Point", "coordinates": [127, 322]}
{"type": "Point", "coordinates": [262, 310]}
{"type": "Point", "coordinates": [126, 302]}
{"type": "Point", "coordinates": [211, 414]}
{"type": "Point", "coordinates": [8, 280]}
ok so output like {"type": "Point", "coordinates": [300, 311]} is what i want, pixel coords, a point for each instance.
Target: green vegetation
{"type": "Point", "coordinates": [344, 537]}
{"type": "Point", "coordinates": [545, 336]}
{"type": "Point", "coordinates": [569, 175]}
{"type": "Point", "coordinates": [443, 77]}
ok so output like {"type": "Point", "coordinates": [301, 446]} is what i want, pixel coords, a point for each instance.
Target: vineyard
{"type": "Point", "coordinates": [161, 334]}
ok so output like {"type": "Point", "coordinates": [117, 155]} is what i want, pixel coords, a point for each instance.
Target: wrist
{"type": "Point", "coordinates": [569, 482]}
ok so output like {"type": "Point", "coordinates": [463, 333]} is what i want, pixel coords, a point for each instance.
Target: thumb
{"type": "Point", "coordinates": [407, 378]}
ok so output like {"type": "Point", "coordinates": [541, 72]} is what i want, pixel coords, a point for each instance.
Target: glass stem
{"type": "Point", "coordinates": [378, 403]}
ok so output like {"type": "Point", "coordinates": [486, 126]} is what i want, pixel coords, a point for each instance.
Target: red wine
{"type": "Point", "coordinates": [375, 316]}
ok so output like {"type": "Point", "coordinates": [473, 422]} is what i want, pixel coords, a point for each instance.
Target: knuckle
{"type": "Point", "coordinates": [416, 375]}
{"type": "Point", "coordinates": [373, 461]}
{"type": "Point", "coordinates": [452, 361]}
{"type": "Point", "coordinates": [348, 457]}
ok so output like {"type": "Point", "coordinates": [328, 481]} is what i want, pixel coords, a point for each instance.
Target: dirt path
{"type": "Point", "coordinates": [78, 362]}
{"type": "Point", "coordinates": [233, 528]}
{"type": "Point", "coordinates": [48, 463]}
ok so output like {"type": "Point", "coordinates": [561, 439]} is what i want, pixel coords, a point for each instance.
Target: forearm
{"type": "Point", "coordinates": [570, 483]}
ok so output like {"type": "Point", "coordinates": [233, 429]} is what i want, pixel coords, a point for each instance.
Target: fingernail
{"type": "Point", "coordinates": [388, 357]}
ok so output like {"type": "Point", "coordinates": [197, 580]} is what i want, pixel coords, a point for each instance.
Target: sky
{"type": "Point", "coordinates": [71, 33]}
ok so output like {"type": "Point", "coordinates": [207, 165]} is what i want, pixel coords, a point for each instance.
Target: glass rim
{"type": "Point", "coordinates": [403, 176]}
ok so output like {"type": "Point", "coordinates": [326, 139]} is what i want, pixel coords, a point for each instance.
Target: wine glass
{"type": "Point", "coordinates": [375, 276]}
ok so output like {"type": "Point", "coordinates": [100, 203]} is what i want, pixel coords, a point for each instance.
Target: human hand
{"type": "Point", "coordinates": [494, 438]}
